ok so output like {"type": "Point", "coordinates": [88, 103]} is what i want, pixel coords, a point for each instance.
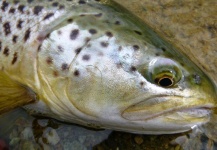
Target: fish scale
{"type": "Point", "coordinates": [93, 63]}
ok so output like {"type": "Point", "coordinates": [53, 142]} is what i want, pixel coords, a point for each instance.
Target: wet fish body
{"type": "Point", "coordinates": [92, 63]}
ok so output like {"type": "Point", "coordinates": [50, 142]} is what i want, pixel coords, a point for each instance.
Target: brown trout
{"type": "Point", "coordinates": [92, 63]}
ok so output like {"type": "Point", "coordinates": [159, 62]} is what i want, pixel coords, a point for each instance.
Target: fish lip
{"type": "Point", "coordinates": [132, 112]}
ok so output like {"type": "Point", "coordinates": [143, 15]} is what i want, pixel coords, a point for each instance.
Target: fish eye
{"type": "Point", "coordinates": [164, 81]}
{"type": "Point", "coordinates": [163, 72]}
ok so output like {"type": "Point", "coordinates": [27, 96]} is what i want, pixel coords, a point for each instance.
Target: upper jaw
{"type": "Point", "coordinates": [184, 108]}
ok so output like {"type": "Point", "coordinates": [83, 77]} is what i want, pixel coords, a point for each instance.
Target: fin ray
{"type": "Point", "coordinates": [12, 94]}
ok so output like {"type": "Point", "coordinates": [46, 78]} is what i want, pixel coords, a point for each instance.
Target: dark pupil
{"type": "Point", "coordinates": [165, 82]}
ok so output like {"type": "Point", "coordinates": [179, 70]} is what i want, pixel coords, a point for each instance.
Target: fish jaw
{"type": "Point", "coordinates": [176, 108]}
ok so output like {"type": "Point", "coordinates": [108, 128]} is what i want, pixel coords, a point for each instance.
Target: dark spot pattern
{"type": "Point", "coordinates": [135, 47]}
{"type": "Point", "coordinates": [27, 35]}
{"type": "Point", "coordinates": [6, 51]}
{"type": "Point", "coordinates": [49, 60]}
{"type": "Point", "coordinates": [0, 46]}
{"type": "Point", "coordinates": [133, 68]}
{"type": "Point", "coordinates": [157, 54]}
{"type": "Point", "coordinates": [61, 6]}
{"type": "Point", "coordinates": [60, 48]}
{"type": "Point", "coordinates": [4, 5]}
{"type": "Point", "coordinates": [117, 22]}
{"type": "Point", "coordinates": [65, 66]}
{"type": "Point", "coordinates": [21, 8]}
{"type": "Point", "coordinates": [16, 2]}
{"type": "Point", "coordinates": [138, 32]}
{"type": "Point", "coordinates": [76, 73]}
{"type": "Point", "coordinates": [19, 24]}
{"type": "Point", "coordinates": [48, 16]}
{"type": "Point", "coordinates": [14, 39]}
{"type": "Point", "coordinates": [82, 2]}
{"type": "Point", "coordinates": [12, 10]}
{"type": "Point", "coordinates": [70, 20]}
{"type": "Point", "coordinates": [37, 9]}
{"type": "Point", "coordinates": [163, 49]}
{"type": "Point", "coordinates": [104, 44]}
{"type": "Point", "coordinates": [109, 34]}
{"type": "Point", "coordinates": [14, 58]}
{"type": "Point", "coordinates": [86, 57]}
{"type": "Point", "coordinates": [142, 83]}
{"type": "Point", "coordinates": [7, 28]}
{"type": "Point", "coordinates": [78, 50]}
{"type": "Point", "coordinates": [55, 4]}
{"type": "Point", "coordinates": [74, 34]}
{"type": "Point", "coordinates": [98, 15]}
{"type": "Point", "coordinates": [92, 31]}
{"type": "Point", "coordinates": [55, 74]}
{"type": "Point", "coordinates": [30, 1]}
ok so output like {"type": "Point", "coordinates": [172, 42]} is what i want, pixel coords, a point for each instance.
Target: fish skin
{"type": "Point", "coordinates": [87, 61]}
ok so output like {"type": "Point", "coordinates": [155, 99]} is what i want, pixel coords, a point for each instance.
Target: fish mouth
{"type": "Point", "coordinates": [172, 107]}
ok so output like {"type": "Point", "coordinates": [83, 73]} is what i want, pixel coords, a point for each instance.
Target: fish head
{"type": "Point", "coordinates": [121, 76]}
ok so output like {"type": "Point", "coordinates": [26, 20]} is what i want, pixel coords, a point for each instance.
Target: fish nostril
{"type": "Point", "coordinates": [197, 79]}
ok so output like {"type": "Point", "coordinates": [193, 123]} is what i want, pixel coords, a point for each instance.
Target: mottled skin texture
{"type": "Point", "coordinates": [92, 63]}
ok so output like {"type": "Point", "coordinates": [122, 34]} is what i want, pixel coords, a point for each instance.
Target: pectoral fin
{"type": "Point", "coordinates": [12, 94]}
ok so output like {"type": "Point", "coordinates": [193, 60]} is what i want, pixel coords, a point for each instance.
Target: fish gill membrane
{"type": "Point", "coordinates": [93, 63]}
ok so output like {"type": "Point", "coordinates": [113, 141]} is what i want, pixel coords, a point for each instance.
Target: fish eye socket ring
{"type": "Point", "coordinates": [165, 81]}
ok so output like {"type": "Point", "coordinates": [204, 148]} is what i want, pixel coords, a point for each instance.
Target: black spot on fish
{"type": "Point", "coordinates": [65, 66]}
{"type": "Point", "coordinates": [98, 15]}
{"type": "Point", "coordinates": [119, 48]}
{"type": "Point", "coordinates": [86, 57]}
{"type": "Point", "coordinates": [16, 2]}
{"type": "Point", "coordinates": [7, 28]}
{"type": "Point", "coordinates": [141, 83]}
{"type": "Point", "coordinates": [27, 35]}
{"type": "Point", "coordinates": [135, 47]}
{"type": "Point", "coordinates": [60, 48]}
{"type": "Point", "coordinates": [76, 73]}
{"type": "Point", "coordinates": [117, 22]}
{"type": "Point", "coordinates": [104, 44]}
{"type": "Point", "coordinates": [82, 2]}
{"type": "Point", "coordinates": [70, 20]}
{"type": "Point", "coordinates": [30, 1]}
{"type": "Point", "coordinates": [55, 4]}
{"type": "Point", "coordinates": [21, 8]}
{"type": "Point", "coordinates": [163, 49]}
{"type": "Point", "coordinates": [59, 32]}
{"type": "Point", "coordinates": [109, 34]}
{"type": "Point", "coordinates": [138, 32]}
{"type": "Point", "coordinates": [157, 54]}
{"type": "Point", "coordinates": [14, 39]}
{"type": "Point", "coordinates": [55, 74]}
{"type": "Point", "coordinates": [14, 58]}
{"type": "Point", "coordinates": [133, 68]}
{"type": "Point", "coordinates": [61, 6]}
{"type": "Point", "coordinates": [37, 9]}
{"type": "Point", "coordinates": [48, 16]}
{"type": "Point", "coordinates": [78, 50]}
{"type": "Point", "coordinates": [39, 48]}
{"type": "Point", "coordinates": [0, 46]}
{"type": "Point", "coordinates": [12, 10]}
{"type": "Point", "coordinates": [49, 60]}
{"type": "Point", "coordinates": [74, 34]}
{"type": "Point", "coordinates": [4, 5]}
{"type": "Point", "coordinates": [6, 51]}
{"type": "Point", "coordinates": [92, 31]}
{"type": "Point", "coordinates": [19, 24]}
